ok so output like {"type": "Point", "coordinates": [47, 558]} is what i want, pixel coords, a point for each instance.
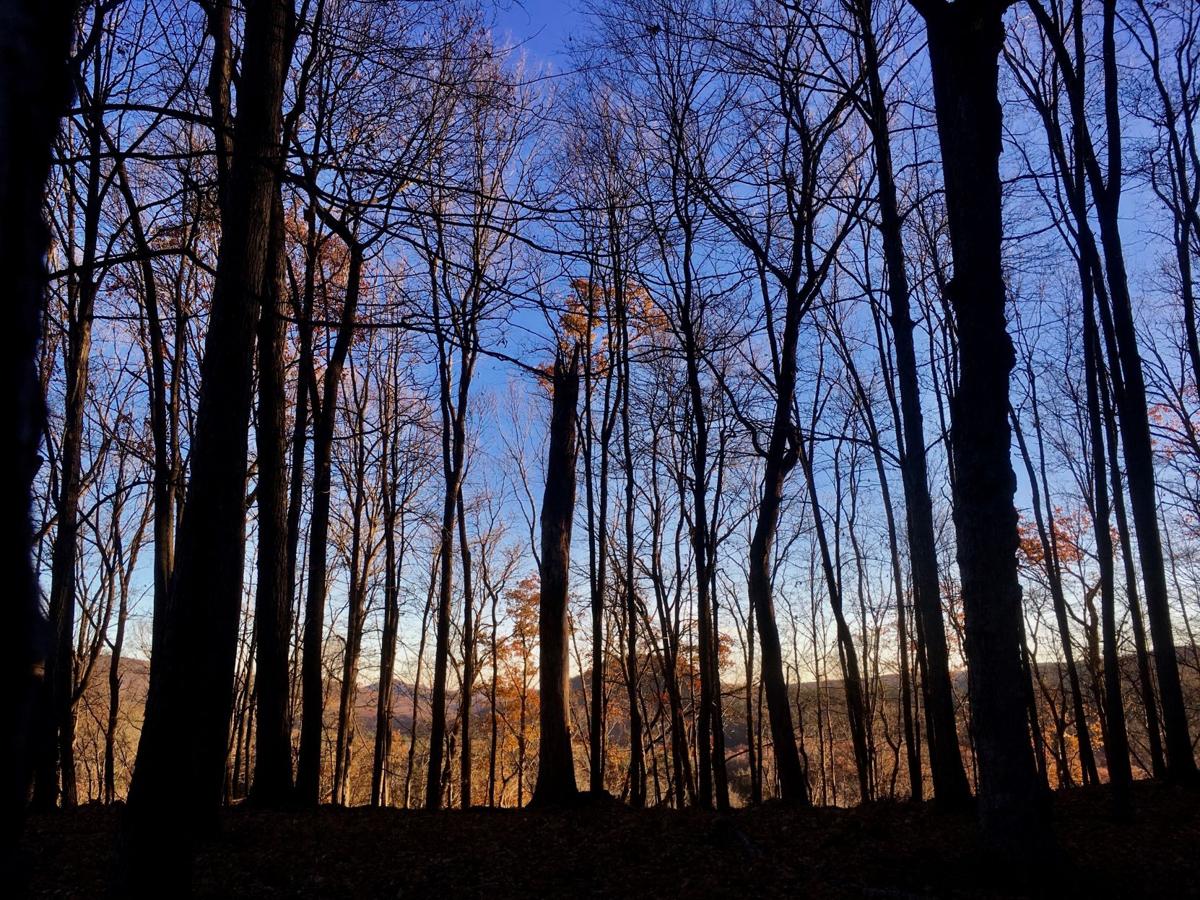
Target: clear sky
{"type": "Point", "coordinates": [543, 27]}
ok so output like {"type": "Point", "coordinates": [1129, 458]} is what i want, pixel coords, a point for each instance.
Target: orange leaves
{"type": "Point", "coordinates": [648, 319]}
{"type": "Point", "coordinates": [1029, 545]}
{"type": "Point", "coordinates": [583, 322]}
{"type": "Point", "coordinates": [1068, 533]}
{"type": "Point", "coordinates": [724, 650]}
{"type": "Point", "coordinates": [523, 602]}
{"type": "Point", "coordinates": [581, 305]}
{"type": "Point", "coordinates": [1171, 428]}
{"type": "Point", "coordinates": [592, 311]}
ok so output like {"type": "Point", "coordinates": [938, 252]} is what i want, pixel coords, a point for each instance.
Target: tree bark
{"type": "Point", "coordinates": [1116, 747]}
{"type": "Point", "coordinates": [1158, 760]}
{"type": "Point", "coordinates": [711, 760]}
{"type": "Point", "coordinates": [468, 661]}
{"type": "Point", "coordinates": [1135, 426]}
{"type": "Point", "coordinates": [35, 88]}
{"type": "Point", "coordinates": [912, 749]}
{"type": "Point", "coordinates": [57, 765]}
{"type": "Point", "coordinates": [114, 700]}
{"type": "Point", "coordinates": [391, 603]}
{"type": "Point", "coordinates": [272, 784]}
{"type": "Point", "coordinates": [359, 563]}
{"type": "Point", "coordinates": [454, 444]}
{"type": "Point", "coordinates": [1044, 521]}
{"type": "Point", "coordinates": [637, 762]}
{"type": "Point", "coordinates": [156, 353]}
{"type": "Point", "coordinates": [597, 519]}
{"type": "Point", "coordinates": [950, 785]}
{"type": "Point", "coordinates": [781, 455]}
{"type": "Point", "coordinates": [964, 43]}
{"type": "Point", "coordinates": [308, 774]}
{"type": "Point", "coordinates": [556, 764]}
{"type": "Point", "coordinates": [852, 684]}
{"type": "Point", "coordinates": [178, 780]}
{"type": "Point", "coordinates": [1084, 171]}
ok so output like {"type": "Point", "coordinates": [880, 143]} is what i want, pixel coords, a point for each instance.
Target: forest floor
{"type": "Point", "coordinates": [605, 849]}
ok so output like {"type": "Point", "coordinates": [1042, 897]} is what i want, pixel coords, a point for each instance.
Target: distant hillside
{"type": "Point", "coordinates": [92, 711]}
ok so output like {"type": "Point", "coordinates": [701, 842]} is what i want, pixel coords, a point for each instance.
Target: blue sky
{"type": "Point", "coordinates": [543, 27]}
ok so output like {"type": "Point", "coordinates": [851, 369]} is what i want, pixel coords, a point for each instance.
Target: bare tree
{"type": "Point", "coordinates": [197, 658]}
{"type": "Point", "coordinates": [556, 766]}
{"type": "Point", "coordinates": [964, 45]}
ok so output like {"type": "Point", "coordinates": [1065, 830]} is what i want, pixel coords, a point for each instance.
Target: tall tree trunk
{"type": "Point", "coordinates": [494, 736]}
{"type": "Point", "coordinates": [912, 745]}
{"type": "Point", "coordinates": [272, 784]}
{"type": "Point", "coordinates": [1116, 746]}
{"type": "Point", "coordinates": [964, 42]}
{"type": "Point", "coordinates": [178, 779]}
{"type": "Point", "coordinates": [1158, 760]}
{"type": "Point", "coordinates": [35, 87]}
{"type": "Point", "coordinates": [682, 781]}
{"type": "Point", "coordinates": [556, 764]}
{"type": "Point", "coordinates": [454, 441]}
{"type": "Point", "coordinates": [57, 766]}
{"type": "Point", "coordinates": [637, 763]}
{"type": "Point", "coordinates": [308, 773]}
{"type": "Point", "coordinates": [156, 353]}
{"type": "Point", "coordinates": [1135, 424]}
{"type": "Point", "coordinates": [437, 728]}
{"type": "Point", "coordinates": [416, 688]}
{"type": "Point", "coordinates": [912, 750]}
{"type": "Point", "coordinates": [468, 663]}
{"type": "Point", "coordinates": [856, 713]}
{"type": "Point", "coordinates": [357, 595]}
{"type": "Point", "coordinates": [597, 509]}
{"type": "Point", "coordinates": [121, 572]}
{"type": "Point", "coordinates": [720, 769]}
{"type": "Point", "coordinates": [219, 26]}
{"type": "Point", "coordinates": [1084, 169]}
{"type": "Point", "coordinates": [781, 455]}
{"type": "Point", "coordinates": [950, 785]}
{"type": "Point", "coordinates": [114, 702]}
{"type": "Point", "coordinates": [305, 389]}
{"type": "Point", "coordinates": [712, 771]}
{"type": "Point", "coordinates": [1044, 521]}
{"type": "Point", "coordinates": [753, 761]}
{"type": "Point", "coordinates": [391, 605]}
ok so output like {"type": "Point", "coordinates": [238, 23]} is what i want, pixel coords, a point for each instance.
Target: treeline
{"type": "Point", "coordinates": [504, 769]}
{"type": "Point", "coordinates": [763, 400]}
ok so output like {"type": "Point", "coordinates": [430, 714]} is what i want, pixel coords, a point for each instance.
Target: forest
{"type": "Point", "coordinates": [658, 446]}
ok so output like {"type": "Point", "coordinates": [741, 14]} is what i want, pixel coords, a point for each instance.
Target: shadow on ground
{"type": "Point", "coordinates": [883, 850]}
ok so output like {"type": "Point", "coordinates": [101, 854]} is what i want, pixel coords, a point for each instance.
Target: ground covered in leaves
{"type": "Point", "coordinates": [882, 850]}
